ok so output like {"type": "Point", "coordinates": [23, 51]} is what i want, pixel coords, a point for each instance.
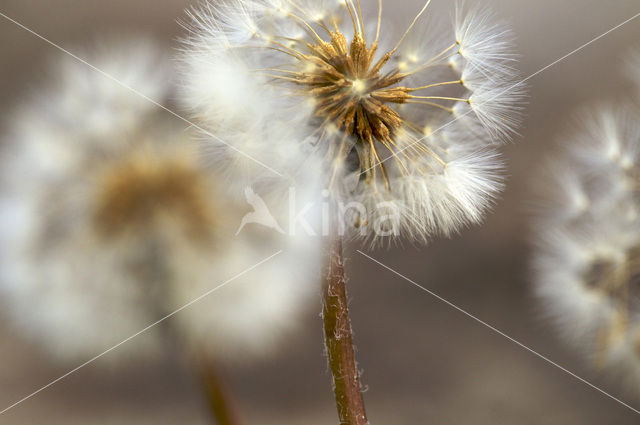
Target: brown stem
{"type": "Point", "coordinates": [219, 399]}
{"type": "Point", "coordinates": [339, 341]}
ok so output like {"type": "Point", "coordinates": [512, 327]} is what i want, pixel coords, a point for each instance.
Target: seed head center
{"type": "Point", "coordinates": [134, 191]}
{"type": "Point", "coordinates": [349, 89]}
{"type": "Point", "coordinates": [359, 87]}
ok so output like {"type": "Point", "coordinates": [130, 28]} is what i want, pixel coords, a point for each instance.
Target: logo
{"type": "Point", "coordinates": [260, 214]}
{"type": "Point", "coordinates": [383, 219]}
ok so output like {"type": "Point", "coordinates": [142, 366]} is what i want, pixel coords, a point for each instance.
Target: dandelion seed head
{"type": "Point", "coordinates": [366, 96]}
{"type": "Point", "coordinates": [588, 241]}
{"type": "Point", "coordinates": [133, 226]}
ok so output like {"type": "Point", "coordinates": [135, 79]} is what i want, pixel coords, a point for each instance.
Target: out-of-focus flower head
{"type": "Point", "coordinates": [587, 231]}
{"type": "Point", "coordinates": [110, 222]}
{"type": "Point", "coordinates": [404, 122]}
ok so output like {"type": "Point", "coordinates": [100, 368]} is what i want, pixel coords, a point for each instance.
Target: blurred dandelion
{"type": "Point", "coordinates": [587, 234]}
{"type": "Point", "coordinates": [110, 222]}
{"type": "Point", "coordinates": [315, 87]}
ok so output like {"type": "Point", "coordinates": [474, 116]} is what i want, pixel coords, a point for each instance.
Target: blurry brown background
{"type": "Point", "coordinates": [423, 362]}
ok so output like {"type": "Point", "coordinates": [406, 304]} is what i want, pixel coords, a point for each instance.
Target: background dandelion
{"type": "Point", "coordinates": [111, 224]}
{"type": "Point", "coordinates": [587, 236]}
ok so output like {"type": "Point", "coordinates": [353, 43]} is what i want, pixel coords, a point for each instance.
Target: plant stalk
{"type": "Point", "coordinates": [339, 340]}
{"type": "Point", "coordinates": [221, 404]}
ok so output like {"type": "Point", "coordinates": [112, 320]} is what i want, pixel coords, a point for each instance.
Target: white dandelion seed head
{"type": "Point", "coordinates": [388, 119]}
{"type": "Point", "coordinates": [133, 227]}
{"type": "Point", "coordinates": [587, 238]}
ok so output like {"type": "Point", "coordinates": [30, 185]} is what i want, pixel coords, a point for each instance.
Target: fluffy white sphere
{"type": "Point", "coordinates": [110, 222]}
{"type": "Point", "coordinates": [407, 122]}
{"type": "Point", "coordinates": [587, 232]}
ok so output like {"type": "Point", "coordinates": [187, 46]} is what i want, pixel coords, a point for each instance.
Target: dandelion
{"type": "Point", "coordinates": [587, 258]}
{"type": "Point", "coordinates": [295, 84]}
{"type": "Point", "coordinates": [405, 126]}
{"type": "Point", "coordinates": [55, 147]}
{"type": "Point", "coordinates": [110, 222]}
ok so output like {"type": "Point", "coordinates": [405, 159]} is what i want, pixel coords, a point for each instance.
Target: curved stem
{"type": "Point", "coordinates": [339, 340]}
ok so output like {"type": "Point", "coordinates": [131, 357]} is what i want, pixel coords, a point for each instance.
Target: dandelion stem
{"type": "Point", "coordinates": [339, 340]}
{"type": "Point", "coordinates": [218, 396]}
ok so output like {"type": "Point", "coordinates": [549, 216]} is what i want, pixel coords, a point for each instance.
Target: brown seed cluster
{"type": "Point", "coordinates": [136, 191]}
{"type": "Point", "coordinates": [352, 94]}
{"type": "Point", "coordinates": [350, 90]}
{"type": "Point", "coordinates": [619, 282]}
